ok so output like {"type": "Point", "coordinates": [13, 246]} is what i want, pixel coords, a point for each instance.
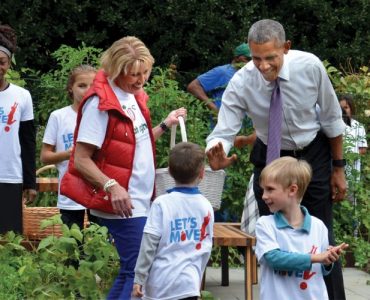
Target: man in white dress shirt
{"type": "Point", "coordinates": [304, 85]}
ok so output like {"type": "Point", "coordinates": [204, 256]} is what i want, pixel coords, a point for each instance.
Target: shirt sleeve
{"type": "Point", "coordinates": [93, 124]}
{"type": "Point", "coordinates": [27, 140]}
{"type": "Point", "coordinates": [154, 223]}
{"type": "Point", "coordinates": [326, 270]}
{"type": "Point", "coordinates": [266, 238]}
{"type": "Point", "coordinates": [27, 111]}
{"type": "Point", "coordinates": [211, 79]}
{"type": "Point", "coordinates": [362, 142]}
{"type": "Point", "coordinates": [50, 134]}
{"type": "Point", "coordinates": [148, 249]}
{"type": "Point", "coordinates": [230, 117]}
{"type": "Point", "coordinates": [330, 112]}
{"type": "Point", "coordinates": [288, 261]}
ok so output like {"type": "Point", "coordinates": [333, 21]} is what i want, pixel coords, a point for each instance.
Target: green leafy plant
{"type": "Point", "coordinates": [206, 295]}
{"type": "Point", "coordinates": [165, 96]}
{"type": "Point", "coordinates": [51, 89]}
{"type": "Point", "coordinates": [79, 264]}
{"type": "Point", "coordinates": [352, 218]}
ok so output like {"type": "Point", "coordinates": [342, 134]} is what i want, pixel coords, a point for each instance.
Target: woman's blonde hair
{"type": "Point", "coordinates": [287, 171]}
{"type": "Point", "coordinates": [124, 55]}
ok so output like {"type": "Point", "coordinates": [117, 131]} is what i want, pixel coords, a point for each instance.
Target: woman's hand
{"type": "Point", "coordinates": [121, 201]}
{"type": "Point", "coordinates": [172, 118]}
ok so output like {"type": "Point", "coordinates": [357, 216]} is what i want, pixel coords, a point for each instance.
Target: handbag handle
{"type": "Point", "coordinates": [182, 130]}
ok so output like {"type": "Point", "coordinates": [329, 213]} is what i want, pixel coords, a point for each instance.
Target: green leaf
{"type": "Point", "coordinates": [21, 270]}
{"type": "Point", "coordinates": [76, 233]}
{"type": "Point", "coordinates": [45, 242]}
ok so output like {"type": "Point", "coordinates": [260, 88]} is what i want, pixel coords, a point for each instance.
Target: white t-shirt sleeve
{"type": "Point", "coordinates": [154, 222]}
{"type": "Point", "coordinates": [50, 134]}
{"type": "Point", "coordinates": [324, 238]}
{"type": "Point", "coordinates": [266, 238]}
{"type": "Point", "coordinates": [93, 124]}
{"type": "Point", "coordinates": [362, 143]}
{"type": "Point", "coordinates": [27, 112]}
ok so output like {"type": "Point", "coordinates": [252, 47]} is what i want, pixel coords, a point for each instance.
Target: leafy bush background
{"type": "Point", "coordinates": [193, 34]}
{"type": "Point", "coordinates": [200, 40]}
{"type": "Point", "coordinates": [166, 95]}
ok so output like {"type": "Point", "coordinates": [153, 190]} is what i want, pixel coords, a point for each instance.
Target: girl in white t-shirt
{"type": "Point", "coordinates": [355, 135]}
{"type": "Point", "coordinates": [58, 139]}
{"type": "Point", "coordinates": [17, 141]}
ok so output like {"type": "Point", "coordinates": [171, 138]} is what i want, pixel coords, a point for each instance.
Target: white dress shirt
{"type": "Point", "coordinates": [304, 84]}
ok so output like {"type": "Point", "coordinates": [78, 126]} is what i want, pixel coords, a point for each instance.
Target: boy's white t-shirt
{"type": "Point", "coordinates": [293, 284]}
{"type": "Point", "coordinates": [184, 221]}
{"type": "Point", "coordinates": [15, 107]}
{"type": "Point", "coordinates": [59, 133]}
{"type": "Point", "coordinates": [92, 130]}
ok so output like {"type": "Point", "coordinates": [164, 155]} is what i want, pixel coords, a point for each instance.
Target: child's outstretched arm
{"type": "Point", "coordinates": [148, 249]}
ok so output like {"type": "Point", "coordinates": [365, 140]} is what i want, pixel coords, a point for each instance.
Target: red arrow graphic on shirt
{"type": "Point", "coordinates": [11, 116]}
{"type": "Point", "coordinates": [203, 233]}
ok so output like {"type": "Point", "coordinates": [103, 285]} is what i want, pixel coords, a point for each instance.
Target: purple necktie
{"type": "Point", "coordinates": [275, 121]}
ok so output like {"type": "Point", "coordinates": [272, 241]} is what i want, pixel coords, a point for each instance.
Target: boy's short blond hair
{"type": "Point", "coordinates": [286, 171]}
{"type": "Point", "coordinates": [126, 54]}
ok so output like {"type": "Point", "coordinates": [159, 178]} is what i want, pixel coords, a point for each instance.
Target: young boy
{"type": "Point", "coordinates": [292, 246]}
{"type": "Point", "coordinates": [177, 238]}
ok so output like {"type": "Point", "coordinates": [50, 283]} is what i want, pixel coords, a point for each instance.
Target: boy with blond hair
{"type": "Point", "coordinates": [292, 246]}
{"type": "Point", "coordinates": [177, 240]}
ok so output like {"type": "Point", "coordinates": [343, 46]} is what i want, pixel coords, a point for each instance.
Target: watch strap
{"type": "Point", "coordinates": [339, 163]}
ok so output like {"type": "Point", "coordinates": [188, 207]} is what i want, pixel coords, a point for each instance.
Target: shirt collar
{"type": "Point", "coordinates": [281, 222]}
{"type": "Point", "coordinates": [284, 71]}
{"type": "Point", "coordinates": [185, 190]}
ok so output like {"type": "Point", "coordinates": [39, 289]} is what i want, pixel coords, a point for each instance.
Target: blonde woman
{"type": "Point", "coordinates": [115, 152]}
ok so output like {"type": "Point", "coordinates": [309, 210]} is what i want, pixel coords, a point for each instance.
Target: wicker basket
{"type": "Point", "coordinates": [32, 216]}
{"type": "Point", "coordinates": [211, 186]}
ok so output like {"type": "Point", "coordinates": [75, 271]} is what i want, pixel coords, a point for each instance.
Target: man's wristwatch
{"type": "Point", "coordinates": [339, 163]}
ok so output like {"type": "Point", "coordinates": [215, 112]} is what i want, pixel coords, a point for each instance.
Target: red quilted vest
{"type": "Point", "coordinates": [116, 156]}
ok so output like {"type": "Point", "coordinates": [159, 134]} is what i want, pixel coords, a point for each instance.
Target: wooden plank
{"type": "Point", "coordinates": [254, 269]}
{"type": "Point", "coordinates": [248, 273]}
{"type": "Point", "coordinates": [228, 235]}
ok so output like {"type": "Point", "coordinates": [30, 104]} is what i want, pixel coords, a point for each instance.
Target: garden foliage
{"type": "Point", "coordinates": [44, 272]}
{"type": "Point", "coordinates": [193, 34]}
{"type": "Point", "coordinates": [79, 264]}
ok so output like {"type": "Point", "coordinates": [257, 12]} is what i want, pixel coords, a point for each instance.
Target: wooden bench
{"type": "Point", "coordinates": [229, 235]}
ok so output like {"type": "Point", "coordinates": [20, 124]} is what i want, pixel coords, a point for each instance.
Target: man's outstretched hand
{"type": "Point", "coordinates": [217, 158]}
